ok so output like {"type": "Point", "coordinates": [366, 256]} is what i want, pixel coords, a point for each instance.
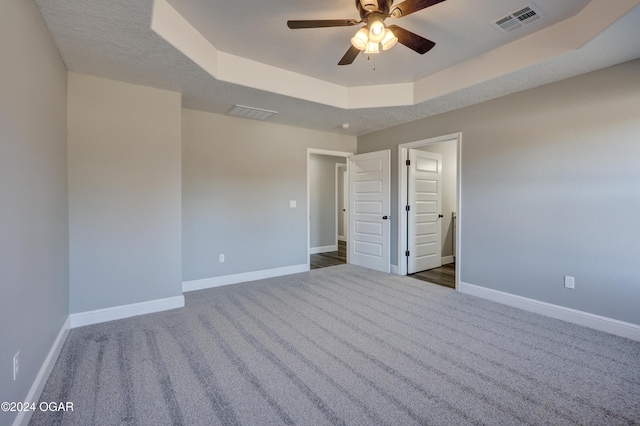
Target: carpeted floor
{"type": "Point", "coordinates": [343, 346]}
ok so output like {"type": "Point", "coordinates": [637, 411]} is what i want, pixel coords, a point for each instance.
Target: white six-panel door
{"type": "Point", "coordinates": [369, 210]}
{"type": "Point", "coordinates": [425, 207]}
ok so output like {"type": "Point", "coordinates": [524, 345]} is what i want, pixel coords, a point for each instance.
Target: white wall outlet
{"type": "Point", "coordinates": [569, 282]}
{"type": "Point", "coordinates": [16, 365]}
{"type": "Point", "coordinates": [293, 204]}
{"type": "Point", "coordinates": [221, 258]}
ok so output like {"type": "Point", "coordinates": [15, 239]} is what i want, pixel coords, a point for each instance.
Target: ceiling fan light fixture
{"type": "Point", "coordinates": [376, 31]}
{"type": "Point", "coordinates": [375, 36]}
{"type": "Point", "coordinates": [372, 47]}
{"type": "Point", "coordinates": [389, 40]}
{"type": "Point", "coordinates": [359, 41]}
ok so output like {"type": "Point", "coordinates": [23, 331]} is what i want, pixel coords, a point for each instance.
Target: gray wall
{"type": "Point", "coordinates": [449, 152]}
{"type": "Point", "coordinates": [124, 193]}
{"type": "Point", "coordinates": [550, 187]}
{"type": "Point", "coordinates": [34, 253]}
{"type": "Point", "coordinates": [322, 194]}
{"type": "Point", "coordinates": [238, 178]}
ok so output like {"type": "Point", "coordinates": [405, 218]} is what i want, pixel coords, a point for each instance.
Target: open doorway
{"type": "Point", "coordinates": [342, 194]}
{"type": "Point", "coordinates": [327, 208]}
{"type": "Point", "coordinates": [429, 201]}
{"type": "Point", "coordinates": [339, 255]}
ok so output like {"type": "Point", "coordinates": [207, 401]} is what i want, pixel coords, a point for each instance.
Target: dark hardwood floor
{"type": "Point", "coordinates": [444, 275]}
{"type": "Point", "coordinates": [332, 258]}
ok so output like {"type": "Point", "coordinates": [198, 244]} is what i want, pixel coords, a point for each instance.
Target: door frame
{"type": "Point", "coordinates": [329, 153]}
{"type": "Point", "coordinates": [403, 150]}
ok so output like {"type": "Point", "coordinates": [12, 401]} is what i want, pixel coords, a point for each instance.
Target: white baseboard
{"type": "Point", "coordinates": [609, 325]}
{"type": "Point", "coordinates": [125, 311]}
{"type": "Point", "coordinates": [447, 259]}
{"type": "Point", "coordinates": [23, 417]}
{"type": "Point", "coordinates": [243, 277]}
{"type": "Point", "coordinates": [325, 249]}
{"type": "Point", "coordinates": [342, 238]}
{"type": "Point", "coordinates": [394, 269]}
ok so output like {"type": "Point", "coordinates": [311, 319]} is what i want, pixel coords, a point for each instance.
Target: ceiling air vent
{"type": "Point", "coordinates": [250, 112]}
{"type": "Point", "coordinates": [518, 19]}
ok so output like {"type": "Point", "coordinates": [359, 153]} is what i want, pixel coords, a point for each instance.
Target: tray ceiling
{"type": "Point", "coordinates": [253, 59]}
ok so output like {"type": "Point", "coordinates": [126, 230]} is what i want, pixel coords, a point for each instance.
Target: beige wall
{"type": "Point", "coordinates": [124, 193]}
{"type": "Point", "coordinates": [550, 187]}
{"type": "Point", "coordinates": [238, 178]}
{"type": "Point", "coordinates": [34, 251]}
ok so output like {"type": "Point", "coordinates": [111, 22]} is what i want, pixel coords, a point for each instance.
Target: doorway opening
{"type": "Point", "coordinates": [327, 220]}
{"type": "Point", "coordinates": [338, 256]}
{"type": "Point", "coordinates": [429, 200]}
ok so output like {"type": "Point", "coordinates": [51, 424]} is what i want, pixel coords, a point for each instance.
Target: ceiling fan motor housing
{"type": "Point", "coordinates": [367, 6]}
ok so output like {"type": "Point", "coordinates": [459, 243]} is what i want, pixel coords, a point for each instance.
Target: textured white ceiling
{"type": "Point", "coordinates": [113, 39]}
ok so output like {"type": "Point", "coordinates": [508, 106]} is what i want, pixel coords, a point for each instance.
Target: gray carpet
{"type": "Point", "coordinates": [343, 346]}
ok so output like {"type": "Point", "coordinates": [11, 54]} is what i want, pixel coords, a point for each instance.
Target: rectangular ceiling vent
{"type": "Point", "coordinates": [518, 19]}
{"type": "Point", "coordinates": [251, 112]}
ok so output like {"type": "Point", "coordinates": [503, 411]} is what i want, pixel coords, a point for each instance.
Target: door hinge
{"type": "Point", "coordinates": [407, 208]}
{"type": "Point", "coordinates": [406, 253]}
{"type": "Point", "coordinates": [408, 162]}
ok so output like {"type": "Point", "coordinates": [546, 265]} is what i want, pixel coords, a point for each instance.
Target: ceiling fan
{"type": "Point", "coordinates": [375, 33]}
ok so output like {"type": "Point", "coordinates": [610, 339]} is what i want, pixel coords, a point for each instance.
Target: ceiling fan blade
{"type": "Point", "coordinates": [350, 56]}
{"type": "Point", "coordinates": [407, 7]}
{"type": "Point", "coordinates": [411, 40]}
{"type": "Point", "coordinates": [294, 25]}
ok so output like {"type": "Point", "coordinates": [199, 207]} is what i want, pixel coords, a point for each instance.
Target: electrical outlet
{"type": "Point", "coordinates": [221, 258]}
{"type": "Point", "coordinates": [16, 365]}
{"type": "Point", "coordinates": [569, 282]}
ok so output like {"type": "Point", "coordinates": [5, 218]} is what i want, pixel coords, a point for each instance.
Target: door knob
{"type": "Point", "coordinates": [440, 215]}
{"type": "Point", "coordinates": [385, 217]}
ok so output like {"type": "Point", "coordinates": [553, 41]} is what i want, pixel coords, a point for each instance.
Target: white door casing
{"type": "Point", "coordinates": [369, 210]}
{"type": "Point", "coordinates": [425, 208]}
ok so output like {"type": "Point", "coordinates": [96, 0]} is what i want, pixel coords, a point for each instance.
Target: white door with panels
{"type": "Point", "coordinates": [424, 210]}
{"type": "Point", "coordinates": [369, 210]}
